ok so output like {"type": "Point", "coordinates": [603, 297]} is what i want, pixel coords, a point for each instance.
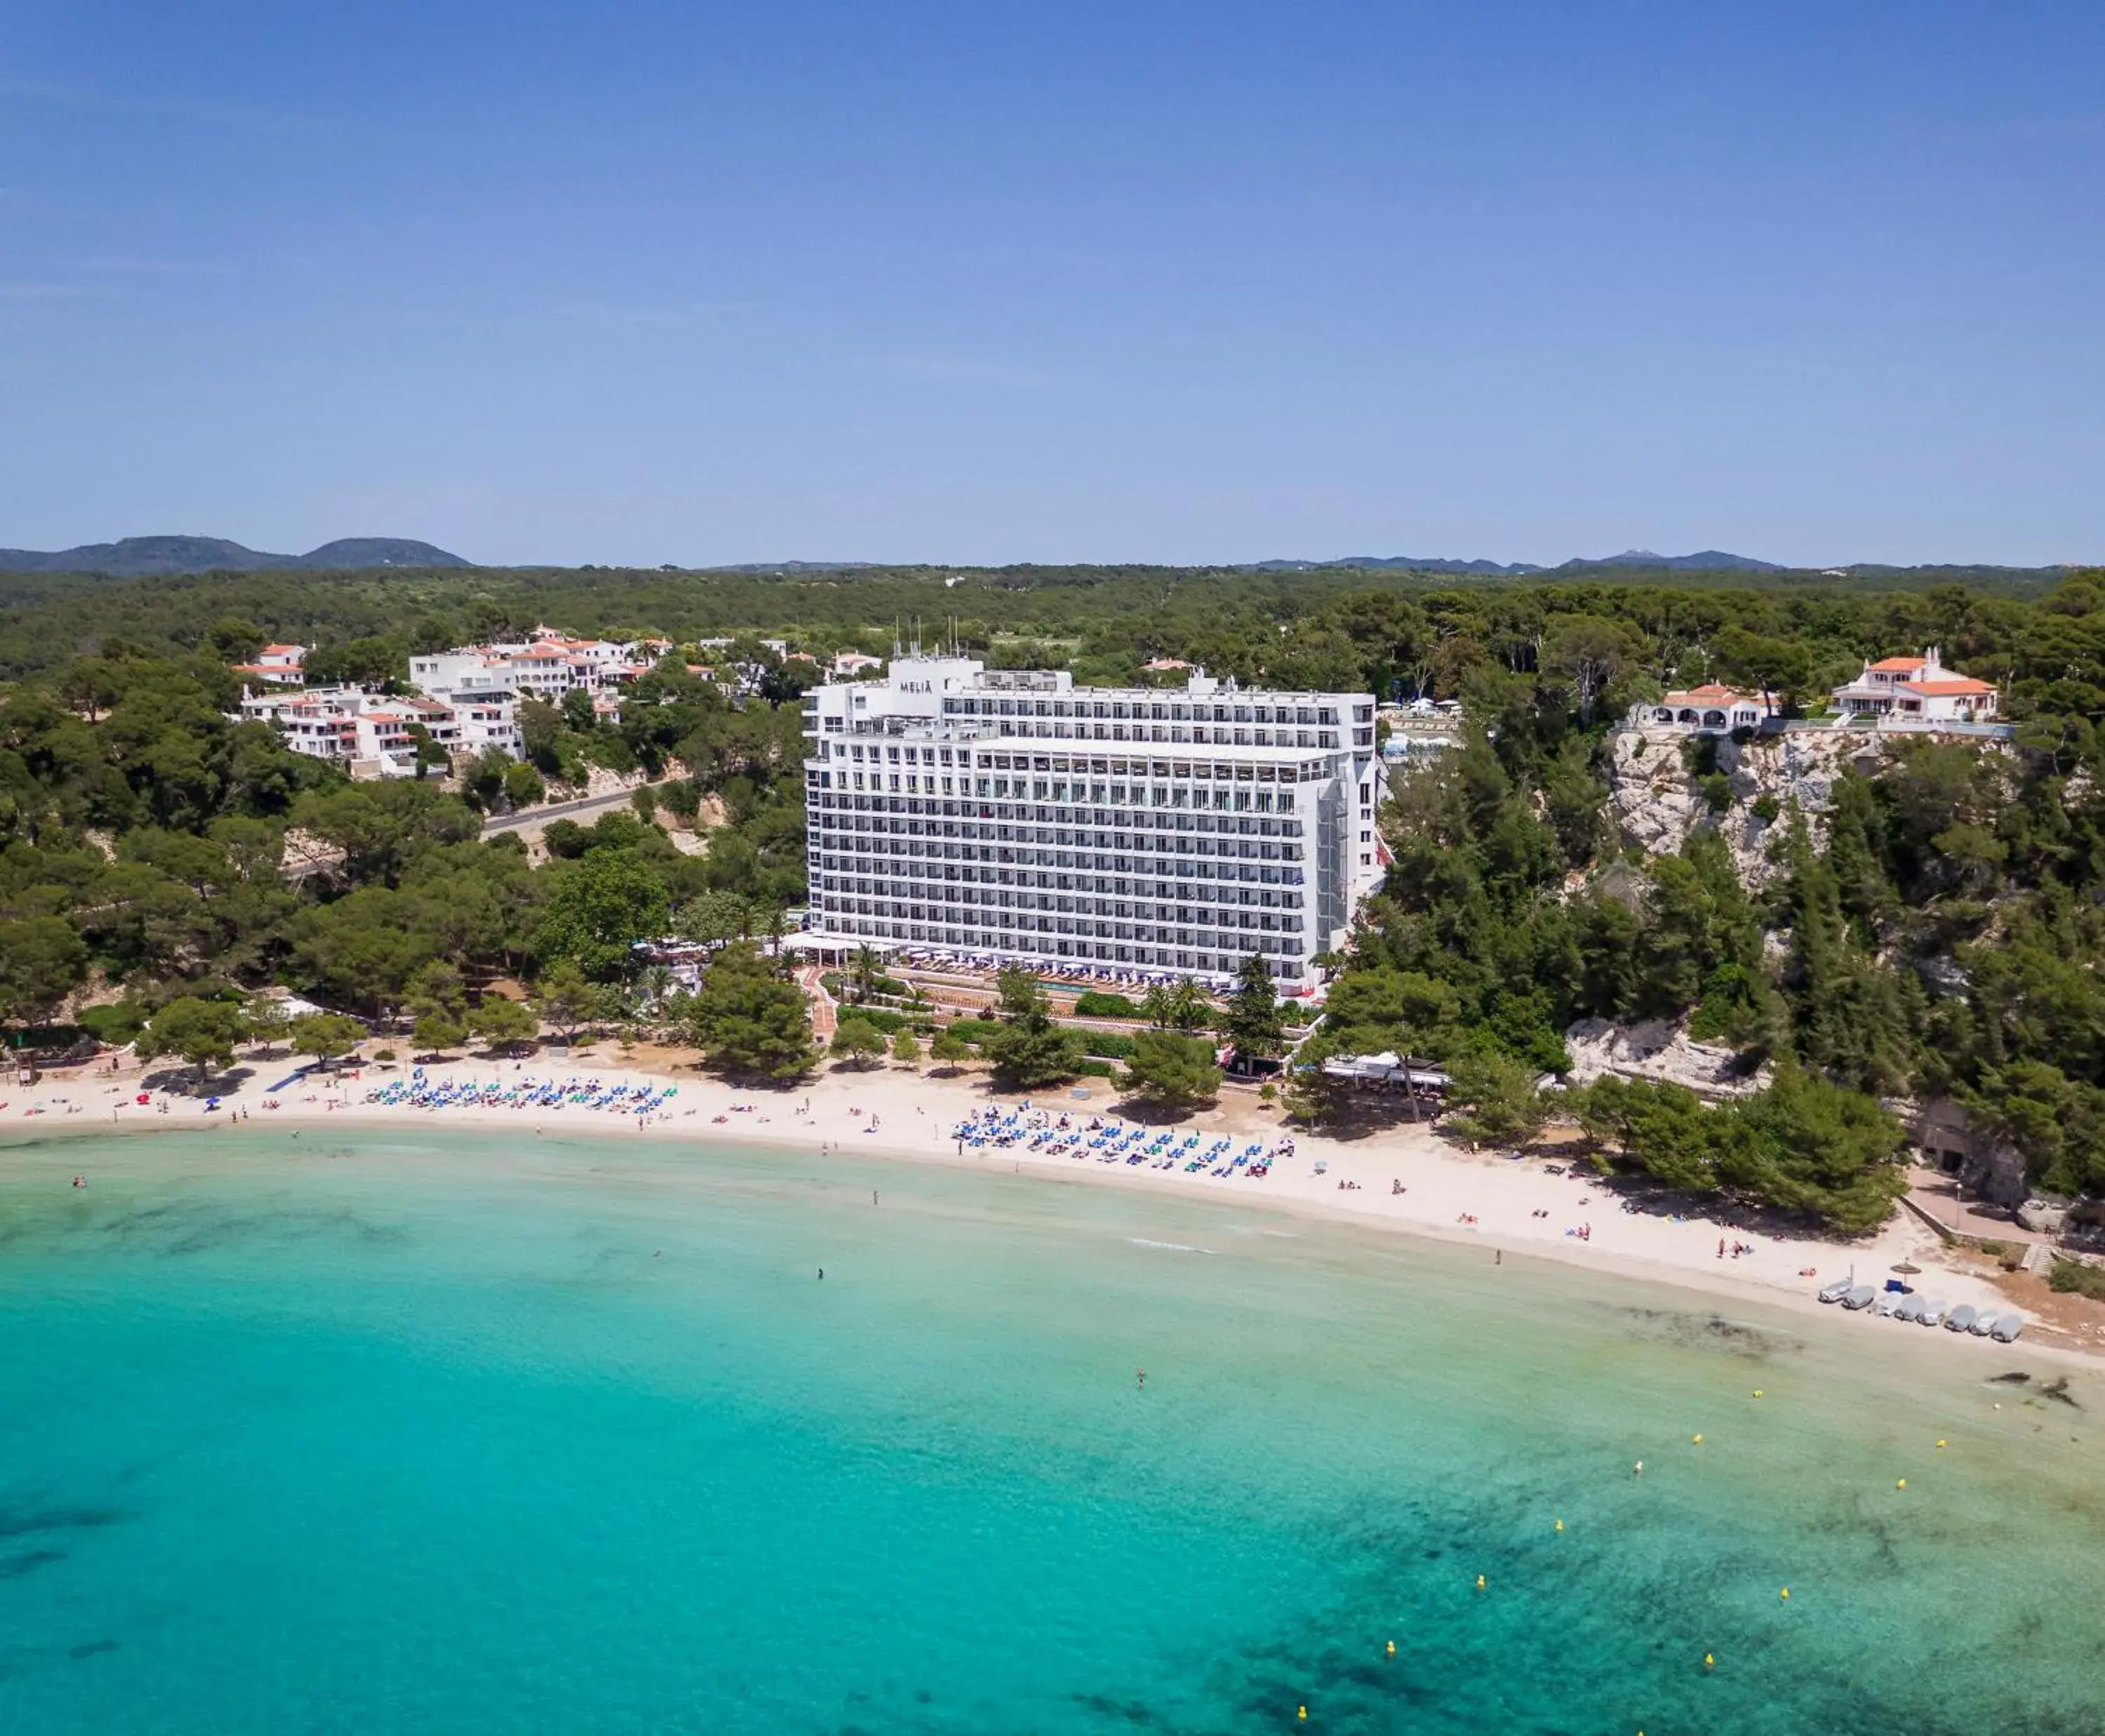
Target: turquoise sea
{"type": "Point", "coordinates": [433, 1432]}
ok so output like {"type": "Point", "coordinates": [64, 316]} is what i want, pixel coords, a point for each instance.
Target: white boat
{"type": "Point", "coordinates": [1961, 1318]}
{"type": "Point", "coordinates": [1909, 1308]}
{"type": "Point", "coordinates": [1863, 1296]}
{"type": "Point", "coordinates": [1984, 1322]}
{"type": "Point", "coordinates": [1933, 1312]}
{"type": "Point", "coordinates": [1834, 1289]}
{"type": "Point", "coordinates": [2006, 1330]}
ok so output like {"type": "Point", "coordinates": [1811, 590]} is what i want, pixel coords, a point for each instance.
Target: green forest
{"type": "Point", "coordinates": [1936, 927]}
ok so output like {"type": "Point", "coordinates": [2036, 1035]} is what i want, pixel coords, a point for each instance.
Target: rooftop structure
{"type": "Point", "coordinates": [1008, 815]}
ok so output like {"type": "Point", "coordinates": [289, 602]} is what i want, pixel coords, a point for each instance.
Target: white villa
{"type": "Point", "coordinates": [1915, 689]}
{"type": "Point", "coordinates": [277, 666]}
{"type": "Point", "coordinates": [1710, 710]}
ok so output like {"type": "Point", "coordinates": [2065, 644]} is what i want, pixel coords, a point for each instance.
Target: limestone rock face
{"type": "Point", "coordinates": [1656, 1049]}
{"type": "Point", "coordinates": [1657, 804]}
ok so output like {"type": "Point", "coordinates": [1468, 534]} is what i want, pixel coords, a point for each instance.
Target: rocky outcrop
{"type": "Point", "coordinates": [1655, 1050]}
{"type": "Point", "coordinates": [1657, 803]}
{"type": "Point", "coordinates": [1654, 801]}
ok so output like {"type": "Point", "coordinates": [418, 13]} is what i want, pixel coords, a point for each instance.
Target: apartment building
{"type": "Point", "coordinates": [1010, 815]}
{"type": "Point", "coordinates": [371, 733]}
{"type": "Point", "coordinates": [545, 665]}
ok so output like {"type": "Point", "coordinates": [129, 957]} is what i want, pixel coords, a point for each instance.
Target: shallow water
{"type": "Point", "coordinates": [353, 1434]}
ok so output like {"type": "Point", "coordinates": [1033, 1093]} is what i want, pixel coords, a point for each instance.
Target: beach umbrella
{"type": "Point", "coordinates": [1906, 1269]}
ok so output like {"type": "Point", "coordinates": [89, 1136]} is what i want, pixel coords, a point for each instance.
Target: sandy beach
{"type": "Point", "coordinates": [1406, 1178]}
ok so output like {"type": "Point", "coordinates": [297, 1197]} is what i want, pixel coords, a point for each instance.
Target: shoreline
{"type": "Point", "coordinates": [1509, 1206]}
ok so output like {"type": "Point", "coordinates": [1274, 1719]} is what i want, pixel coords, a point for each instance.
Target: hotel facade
{"type": "Point", "coordinates": [1008, 814]}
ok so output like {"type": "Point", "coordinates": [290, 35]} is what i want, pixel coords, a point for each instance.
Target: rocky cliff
{"type": "Point", "coordinates": [1657, 801]}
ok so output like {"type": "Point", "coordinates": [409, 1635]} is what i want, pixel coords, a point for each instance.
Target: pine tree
{"type": "Point", "coordinates": [1253, 1020]}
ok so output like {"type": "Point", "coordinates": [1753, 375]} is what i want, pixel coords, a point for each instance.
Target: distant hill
{"type": "Point", "coordinates": [1411, 563]}
{"type": "Point", "coordinates": [379, 551]}
{"type": "Point", "coordinates": [151, 556]}
{"type": "Point", "coordinates": [1703, 560]}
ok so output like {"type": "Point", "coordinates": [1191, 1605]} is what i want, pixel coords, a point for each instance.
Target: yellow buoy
{"type": "Point", "coordinates": [1708, 1661]}
{"type": "Point", "coordinates": [1758, 1392]}
{"type": "Point", "coordinates": [1902, 1484]}
{"type": "Point", "coordinates": [1303, 1714]}
{"type": "Point", "coordinates": [1560, 1524]}
{"type": "Point", "coordinates": [1940, 1446]}
{"type": "Point", "coordinates": [1786, 1594]}
{"type": "Point", "coordinates": [1391, 1648]}
{"type": "Point", "coordinates": [1696, 1440]}
{"type": "Point", "coordinates": [1480, 1581]}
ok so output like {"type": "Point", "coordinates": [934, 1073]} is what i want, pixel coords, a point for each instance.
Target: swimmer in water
{"type": "Point", "coordinates": [822, 1274]}
{"type": "Point", "coordinates": [1140, 1377]}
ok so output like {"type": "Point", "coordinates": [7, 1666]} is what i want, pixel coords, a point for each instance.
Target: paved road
{"type": "Point", "coordinates": [555, 811]}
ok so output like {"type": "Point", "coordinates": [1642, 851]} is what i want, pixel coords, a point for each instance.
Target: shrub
{"type": "Point", "coordinates": [1112, 1044]}
{"type": "Point", "coordinates": [883, 1018]}
{"type": "Point", "coordinates": [974, 1030]}
{"type": "Point", "coordinates": [2073, 1277]}
{"type": "Point", "coordinates": [1766, 807]}
{"type": "Point", "coordinates": [116, 1022]}
{"type": "Point", "coordinates": [1717, 791]}
{"type": "Point", "coordinates": [383, 1054]}
{"type": "Point", "coordinates": [1095, 1004]}
{"type": "Point", "coordinates": [1095, 1069]}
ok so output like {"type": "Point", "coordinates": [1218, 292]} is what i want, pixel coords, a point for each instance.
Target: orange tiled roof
{"type": "Point", "coordinates": [1712, 693]}
{"type": "Point", "coordinates": [1899, 665]}
{"type": "Point", "coordinates": [1955, 685]}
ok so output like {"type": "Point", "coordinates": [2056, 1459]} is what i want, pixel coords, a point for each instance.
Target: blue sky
{"type": "Point", "coordinates": [651, 282]}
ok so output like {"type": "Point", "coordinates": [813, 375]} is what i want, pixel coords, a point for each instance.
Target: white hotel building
{"type": "Point", "coordinates": [1010, 814]}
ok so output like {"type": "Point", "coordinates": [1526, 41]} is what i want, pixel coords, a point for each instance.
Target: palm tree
{"type": "Point", "coordinates": [865, 974]}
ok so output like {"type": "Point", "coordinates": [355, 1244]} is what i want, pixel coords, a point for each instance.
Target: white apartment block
{"type": "Point", "coordinates": [545, 666]}
{"type": "Point", "coordinates": [1009, 814]}
{"type": "Point", "coordinates": [371, 732]}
